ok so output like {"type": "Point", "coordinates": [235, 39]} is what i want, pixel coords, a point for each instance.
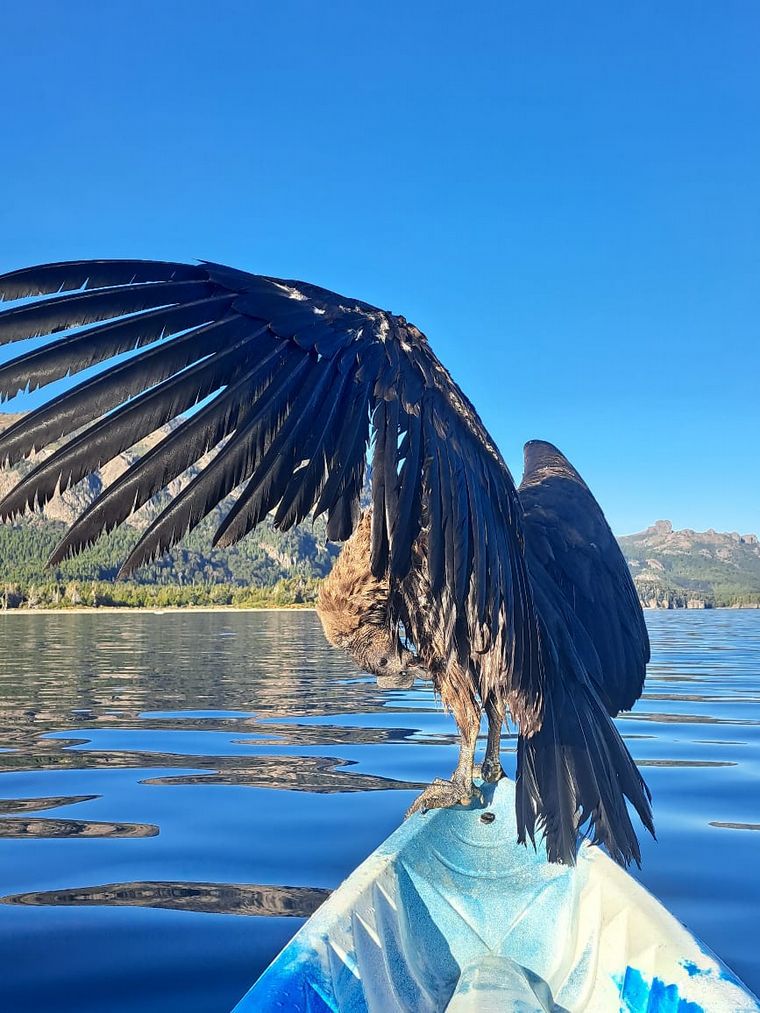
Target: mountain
{"type": "Point", "coordinates": [671, 569]}
{"type": "Point", "coordinates": [694, 569]}
{"type": "Point", "coordinates": [265, 558]}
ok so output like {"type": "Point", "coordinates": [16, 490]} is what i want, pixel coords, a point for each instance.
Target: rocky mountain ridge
{"type": "Point", "coordinates": [672, 569]}
{"type": "Point", "coordinates": [693, 569]}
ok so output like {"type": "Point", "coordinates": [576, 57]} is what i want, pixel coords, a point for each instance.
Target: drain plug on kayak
{"type": "Point", "coordinates": [488, 817]}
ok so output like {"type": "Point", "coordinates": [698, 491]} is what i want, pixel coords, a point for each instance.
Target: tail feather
{"type": "Point", "coordinates": [574, 775]}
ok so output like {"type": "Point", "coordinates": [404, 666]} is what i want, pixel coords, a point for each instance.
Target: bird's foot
{"type": "Point", "coordinates": [443, 794]}
{"type": "Point", "coordinates": [492, 770]}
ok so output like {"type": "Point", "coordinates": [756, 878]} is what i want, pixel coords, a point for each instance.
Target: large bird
{"type": "Point", "coordinates": [515, 603]}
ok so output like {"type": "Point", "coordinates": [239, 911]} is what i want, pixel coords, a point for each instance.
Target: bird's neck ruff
{"type": "Point", "coordinates": [352, 603]}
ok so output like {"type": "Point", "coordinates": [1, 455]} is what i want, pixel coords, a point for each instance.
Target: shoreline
{"type": "Point", "coordinates": [170, 609]}
{"type": "Point", "coordinates": [89, 610]}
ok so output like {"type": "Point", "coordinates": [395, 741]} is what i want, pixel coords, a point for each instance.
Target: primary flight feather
{"type": "Point", "coordinates": [510, 602]}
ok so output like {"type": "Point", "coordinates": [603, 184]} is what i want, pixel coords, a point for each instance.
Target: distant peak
{"type": "Point", "coordinates": [662, 528]}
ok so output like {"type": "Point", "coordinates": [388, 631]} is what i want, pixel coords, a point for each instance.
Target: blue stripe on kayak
{"type": "Point", "coordinates": [637, 995]}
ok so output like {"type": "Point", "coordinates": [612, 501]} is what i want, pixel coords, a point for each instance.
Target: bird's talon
{"type": "Point", "coordinates": [492, 771]}
{"type": "Point", "coordinates": [443, 794]}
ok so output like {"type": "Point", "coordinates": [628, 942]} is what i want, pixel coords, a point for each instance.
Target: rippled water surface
{"type": "Point", "coordinates": [178, 791]}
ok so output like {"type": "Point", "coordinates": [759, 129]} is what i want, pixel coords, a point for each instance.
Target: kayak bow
{"type": "Point", "coordinates": [450, 913]}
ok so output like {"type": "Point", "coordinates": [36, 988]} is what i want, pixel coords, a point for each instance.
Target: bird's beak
{"type": "Point", "coordinates": [404, 679]}
{"type": "Point", "coordinates": [399, 680]}
{"type": "Point", "coordinates": [415, 669]}
{"type": "Point", "coordinates": [420, 672]}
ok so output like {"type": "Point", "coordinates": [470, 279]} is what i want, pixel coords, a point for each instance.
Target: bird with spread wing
{"type": "Point", "coordinates": [514, 602]}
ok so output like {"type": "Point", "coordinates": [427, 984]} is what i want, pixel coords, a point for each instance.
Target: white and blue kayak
{"type": "Point", "coordinates": [450, 913]}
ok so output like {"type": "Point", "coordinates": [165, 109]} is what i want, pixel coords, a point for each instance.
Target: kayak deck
{"type": "Point", "coordinates": [450, 913]}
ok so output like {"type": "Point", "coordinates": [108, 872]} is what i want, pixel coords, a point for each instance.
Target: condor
{"type": "Point", "coordinates": [516, 603]}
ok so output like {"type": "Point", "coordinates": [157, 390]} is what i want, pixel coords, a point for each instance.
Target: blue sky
{"type": "Point", "coordinates": [564, 197]}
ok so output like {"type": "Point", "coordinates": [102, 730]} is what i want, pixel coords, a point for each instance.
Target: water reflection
{"type": "Point", "coordinates": [153, 766]}
{"type": "Point", "coordinates": [735, 826]}
{"type": "Point", "coordinates": [686, 763]}
{"type": "Point", "coordinates": [48, 828]}
{"type": "Point", "coordinates": [208, 898]}
{"type": "Point", "coordinates": [294, 773]}
{"type": "Point", "coordinates": [320, 774]}
{"type": "Point", "coordinates": [21, 805]}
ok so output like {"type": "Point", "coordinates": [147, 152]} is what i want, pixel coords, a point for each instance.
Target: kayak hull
{"type": "Point", "coordinates": [450, 913]}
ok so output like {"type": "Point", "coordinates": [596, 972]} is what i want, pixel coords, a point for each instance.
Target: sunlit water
{"type": "Point", "coordinates": [178, 791]}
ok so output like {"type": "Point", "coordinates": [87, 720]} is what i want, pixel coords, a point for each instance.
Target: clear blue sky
{"type": "Point", "coordinates": [565, 197]}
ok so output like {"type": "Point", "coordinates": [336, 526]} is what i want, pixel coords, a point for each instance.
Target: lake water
{"type": "Point", "coordinates": [178, 791]}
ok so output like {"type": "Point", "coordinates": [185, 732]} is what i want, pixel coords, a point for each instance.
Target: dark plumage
{"type": "Point", "coordinates": [509, 602]}
{"type": "Point", "coordinates": [576, 768]}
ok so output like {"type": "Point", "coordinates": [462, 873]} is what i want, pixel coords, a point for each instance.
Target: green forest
{"type": "Point", "coordinates": [671, 569]}
{"type": "Point", "coordinates": [270, 568]}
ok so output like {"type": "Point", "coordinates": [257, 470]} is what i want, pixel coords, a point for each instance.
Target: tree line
{"type": "Point", "coordinates": [269, 569]}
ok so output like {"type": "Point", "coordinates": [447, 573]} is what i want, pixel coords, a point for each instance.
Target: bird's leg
{"type": "Point", "coordinates": [460, 789]}
{"type": "Point", "coordinates": [492, 769]}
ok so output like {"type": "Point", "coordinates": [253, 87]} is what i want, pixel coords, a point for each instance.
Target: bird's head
{"type": "Point", "coordinates": [353, 608]}
{"type": "Point", "coordinates": [385, 657]}
{"type": "Point", "coordinates": [376, 649]}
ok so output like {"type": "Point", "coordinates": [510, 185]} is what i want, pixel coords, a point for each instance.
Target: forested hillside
{"type": "Point", "coordinates": [267, 566]}
{"type": "Point", "coordinates": [672, 569]}
{"type": "Point", "coordinates": [694, 569]}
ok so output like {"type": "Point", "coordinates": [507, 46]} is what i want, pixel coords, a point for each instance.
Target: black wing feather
{"type": "Point", "coordinates": [59, 314]}
{"type": "Point", "coordinates": [124, 427]}
{"type": "Point", "coordinates": [276, 466]}
{"type": "Point", "coordinates": [347, 468]}
{"type": "Point", "coordinates": [235, 460]}
{"type": "Point", "coordinates": [93, 398]}
{"type": "Point", "coordinates": [304, 486]}
{"type": "Point", "coordinates": [407, 520]}
{"type": "Point", "coordinates": [168, 459]}
{"type": "Point", "coordinates": [86, 274]}
{"type": "Point", "coordinates": [86, 348]}
{"type": "Point", "coordinates": [434, 514]}
{"type": "Point", "coordinates": [379, 530]}
{"type": "Point", "coordinates": [434, 467]}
